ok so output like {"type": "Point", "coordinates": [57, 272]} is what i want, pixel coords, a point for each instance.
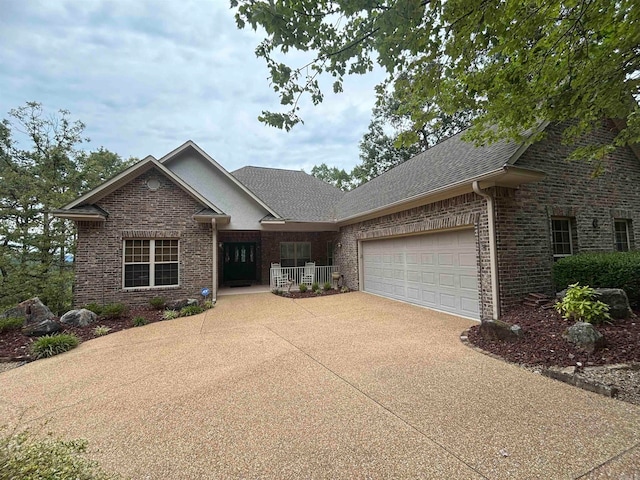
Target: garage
{"type": "Point", "coordinates": [437, 270]}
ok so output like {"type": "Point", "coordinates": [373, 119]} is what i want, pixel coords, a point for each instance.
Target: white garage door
{"type": "Point", "coordinates": [437, 270]}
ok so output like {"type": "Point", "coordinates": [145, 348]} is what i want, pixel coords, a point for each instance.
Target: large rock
{"type": "Point", "coordinates": [499, 330]}
{"type": "Point", "coordinates": [617, 300]}
{"type": "Point", "coordinates": [584, 336]}
{"type": "Point", "coordinates": [79, 318]}
{"type": "Point", "coordinates": [46, 327]}
{"type": "Point", "coordinates": [181, 303]}
{"type": "Point", "coordinates": [32, 310]}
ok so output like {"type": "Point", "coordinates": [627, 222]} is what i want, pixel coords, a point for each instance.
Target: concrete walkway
{"type": "Point", "coordinates": [346, 386]}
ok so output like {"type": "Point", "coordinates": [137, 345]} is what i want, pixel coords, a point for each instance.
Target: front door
{"type": "Point", "coordinates": [239, 263]}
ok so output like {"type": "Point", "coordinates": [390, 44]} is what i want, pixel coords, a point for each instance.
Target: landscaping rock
{"type": "Point", "coordinates": [32, 310]}
{"type": "Point", "coordinates": [183, 302]}
{"type": "Point", "coordinates": [584, 336]}
{"type": "Point", "coordinates": [46, 327]}
{"type": "Point", "coordinates": [499, 330]}
{"type": "Point", "coordinates": [79, 318]}
{"type": "Point", "coordinates": [617, 300]}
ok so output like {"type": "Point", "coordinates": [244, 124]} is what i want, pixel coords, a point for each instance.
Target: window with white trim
{"type": "Point", "coordinates": [561, 237]}
{"type": "Point", "coordinates": [621, 230]}
{"type": "Point", "coordinates": [150, 263]}
{"type": "Point", "coordinates": [295, 254]}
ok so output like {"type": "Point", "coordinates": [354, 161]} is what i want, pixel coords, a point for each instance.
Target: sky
{"type": "Point", "coordinates": [146, 76]}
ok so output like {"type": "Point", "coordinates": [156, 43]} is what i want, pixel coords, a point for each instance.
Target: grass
{"type": "Point", "coordinates": [101, 330]}
{"type": "Point", "coordinates": [11, 323]}
{"type": "Point", "coordinates": [51, 345]}
{"type": "Point", "coordinates": [191, 310]}
{"type": "Point", "coordinates": [140, 321]}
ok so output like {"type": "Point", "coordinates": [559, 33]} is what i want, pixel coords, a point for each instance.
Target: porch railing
{"type": "Point", "coordinates": [294, 274]}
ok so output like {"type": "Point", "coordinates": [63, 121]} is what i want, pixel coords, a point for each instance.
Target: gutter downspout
{"type": "Point", "coordinates": [493, 255]}
{"type": "Point", "coordinates": [214, 261]}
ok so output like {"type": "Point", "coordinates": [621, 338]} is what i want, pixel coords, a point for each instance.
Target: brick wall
{"type": "Point", "coordinates": [524, 215]}
{"type": "Point", "coordinates": [137, 212]}
{"type": "Point", "coordinates": [464, 210]}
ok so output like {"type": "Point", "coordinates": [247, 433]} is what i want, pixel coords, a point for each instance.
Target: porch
{"type": "Point", "coordinates": [321, 275]}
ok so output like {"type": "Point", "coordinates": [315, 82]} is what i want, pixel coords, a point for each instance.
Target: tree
{"type": "Point", "coordinates": [513, 62]}
{"type": "Point", "coordinates": [40, 171]}
{"type": "Point", "coordinates": [339, 178]}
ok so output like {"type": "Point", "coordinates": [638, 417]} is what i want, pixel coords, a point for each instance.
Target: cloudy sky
{"type": "Point", "coordinates": [145, 76]}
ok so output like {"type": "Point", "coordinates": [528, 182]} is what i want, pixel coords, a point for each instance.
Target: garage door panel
{"type": "Point", "coordinates": [435, 270]}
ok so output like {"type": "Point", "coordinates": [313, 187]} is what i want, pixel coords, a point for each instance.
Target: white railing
{"type": "Point", "coordinates": [294, 274]}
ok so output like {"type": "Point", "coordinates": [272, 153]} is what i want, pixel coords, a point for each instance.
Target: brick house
{"type": "Point", "coordinates": [458, 228]}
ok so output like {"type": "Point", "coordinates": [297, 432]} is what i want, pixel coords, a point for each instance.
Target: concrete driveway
{"type": "Point", "coordinates": [347, 386]}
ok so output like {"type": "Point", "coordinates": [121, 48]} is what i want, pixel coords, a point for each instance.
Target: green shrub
{"type": "Point", "coordinates": [191, 310]}
{"type": "Point", "coordinates": [601, 270]}
{"type": "Point", "coordinates": [10, 323]}
{"type": "Point", "coordinates": [276, 291]}
{"type": "Point", "coordinates": [114, 310]}
{"type": "Point", "coordinates": [326, 286]}
{"type": "Point", "coordinates": [579, 304]}
{"type": "Point", "coordinates": [345, 289]}
{"type": "Point", "coordinates": [208, 304]}
{"type": "Point", "coordinates": [303, 288]}
{"type": "Point", "coordinates": [23, 456]}
{"type": "Point", "coordinates": [140, 321]}
{"type": "Point", "coordinates": [170, 314]}
{"type": "Point", "coordinates": [51, 345]}
{"type": "Point", "coordinates": [158, 302]}
{"type": "Point", "coordinates": [94, 307]}
{"type": "Point", "coordinates": [315, 287]}
{"type": "Point", "coordinates": [101, 330]}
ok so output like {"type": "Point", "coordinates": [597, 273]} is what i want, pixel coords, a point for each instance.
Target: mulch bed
{"type": "Point", "coordinates": [310, 294]}
{"type": "Point", "coordinates": [542, 343]}
{"type": "Point", "coordinates": [14, 345]}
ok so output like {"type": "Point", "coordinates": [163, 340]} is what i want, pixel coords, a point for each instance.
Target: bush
{"type": "Point", "coordinates": [345, 289]}
{"type": "Point", "coordinates": [51, 345]}
{"type": "Point", "coordinates": [303, 288]}
{"type": "Point", "coordinates": [158, 302]}
{"type": "Point", "coordinates": [170, 314]}
{"type": "Point", "coordinates": [579, 304]}
{"type": "Point", "coordinates": [140, 321]}
{"type": "Point", "coordinates": [101, 330]}
{"type": "Point", "coordinates": [208, 304]}
{"type": "Point", "coordinates": [94, 307]}
{"type": "Point", "coordinates": [191, 310]}
{"type": "Point", "coordinates": [10, 323]}
{"type": "Point", "coordinates": [315, 287]}
{"type": "Point", "coordinates": [326, 286]}
{"type": "Point", "coordinates": [601, 270]}
{"type": "Point", "coordinates": [114, 310]}
{"type": "Point", "coordinates": [24, 456]}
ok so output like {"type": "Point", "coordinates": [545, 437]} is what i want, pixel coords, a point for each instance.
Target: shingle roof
{"type": "Point", "coordinates": [444, 164]}
{"type": "Point", "coordinates": [294, 195]}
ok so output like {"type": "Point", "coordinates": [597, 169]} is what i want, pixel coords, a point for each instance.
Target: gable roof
{"type": "Point", "coordinates": [295, 195]}
{"type": "Point", "coordinates": [447, 164]}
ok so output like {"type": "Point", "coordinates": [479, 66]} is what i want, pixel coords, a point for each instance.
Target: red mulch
{"type": "Point", "coordinates": [542, 343]}
{"type": "Point", "coordinates": [13, 344]}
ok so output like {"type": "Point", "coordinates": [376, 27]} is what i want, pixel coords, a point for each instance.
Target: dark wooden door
{"type": "Point", "coordinates": [239, 263]}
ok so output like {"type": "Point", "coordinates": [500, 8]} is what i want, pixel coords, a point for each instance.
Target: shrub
{"type": "Point", "coordinates": [170, 314]}
{"type": "Point", "coordinates": [140, 321]}
{"type": "Point", "coordinates": [601, 270]}
{"type": "Point", "coordinates": [51, 345]}
{"type": "Point", "coordinates": [158, 302]}
{"type": "Point", "coordinates": [315, 287]}
{"type": "Point", "coordinates": [94, 307]}
{"type": "Point", "coordinates": [303, 288]}
{"type": "Point", "coordinates": [24, 456]}
{"type": "Point", "coordinates": [191, 310]}
{"type": "Point", "coordinates": [326, 286]}
{"type": "Point", "coordinates": [114, 310]}
{"type": "Point", "coordinates": [578, 304]}
{"type": "Point", "coordinates": [276, 291]}
{"type": "Point", "coordinates": [208, 304]}
{"type": "Point", "coordinates": [345, 289]}
{"type": "Point", "coordinates": [10, 323]}
{"type": "Point", "coordinates": [101, 330]}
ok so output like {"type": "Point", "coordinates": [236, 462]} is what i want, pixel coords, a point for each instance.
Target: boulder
{"type": "Point", "coordinates": [617, 300]}
{"type": "Point", "coordinates": [584, 336]}
{"type": "Point", "coordinates": [79, 318]}
{"type": "Point", "coordinates": [32, 310]}
{"type": "Point", "coordinates": [499, 330]}
{"type": "Point", "coordinates": [46, 327]}
{"type": "Point", "coordinates": [181, 303]}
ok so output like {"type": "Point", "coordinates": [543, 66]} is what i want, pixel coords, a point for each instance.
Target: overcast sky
{"type": "Point", "coordinates": [146, 76]}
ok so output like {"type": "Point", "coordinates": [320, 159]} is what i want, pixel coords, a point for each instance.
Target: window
{"type": "Point", "coordinates": [621, 228]}
{"type": "Point", "coordinates": [150, 263]}
{"type": "Point", "coordinates": [561, 237]}
{"type": "Point", "coordinates": [329, 253]}
{"type": "Point", "coordinates": [295, 254]}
